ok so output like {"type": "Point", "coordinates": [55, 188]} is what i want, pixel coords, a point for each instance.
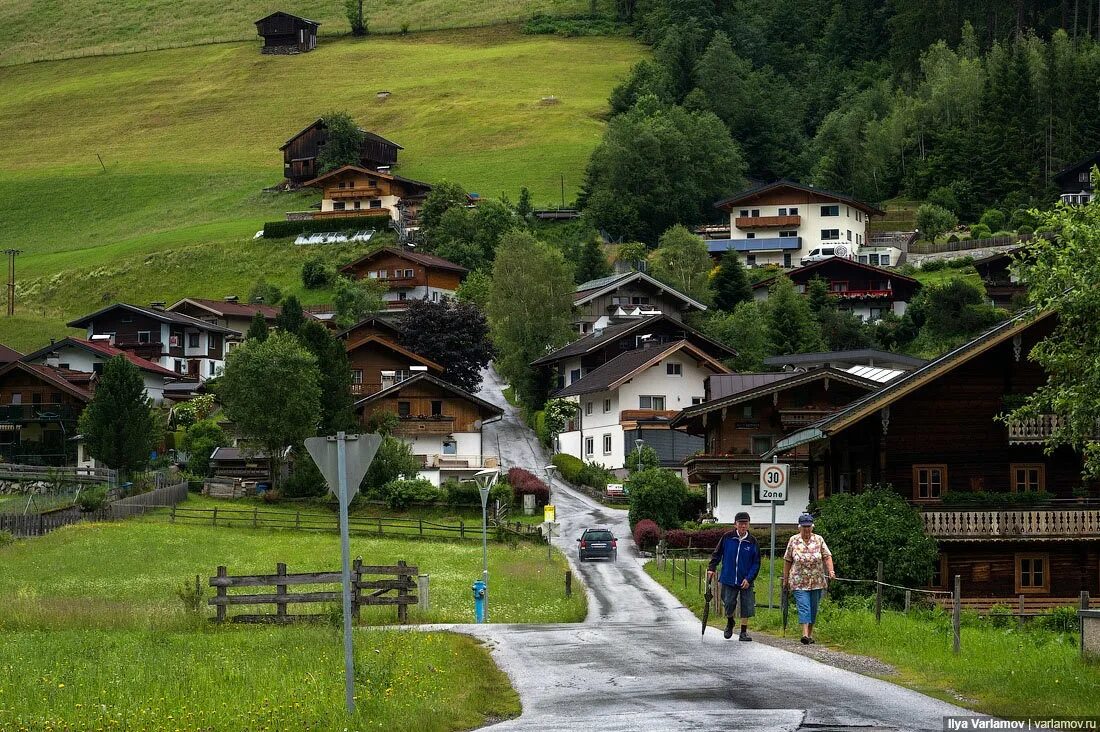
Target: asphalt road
{"type": "Point", "coordinates": [638, 662]}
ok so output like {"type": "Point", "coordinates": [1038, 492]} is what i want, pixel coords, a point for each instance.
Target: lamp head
{"type": "Point", "coordinates": [638, 443]}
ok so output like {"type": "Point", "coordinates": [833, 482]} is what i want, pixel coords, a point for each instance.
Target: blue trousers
{"type": "Point", "coordinates": [807, 602]}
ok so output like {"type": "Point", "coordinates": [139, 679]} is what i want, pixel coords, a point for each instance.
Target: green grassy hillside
{"type": "Point", "coordinates": [39, 30]}
{"type": "Point", "coordinates": [189, 138]}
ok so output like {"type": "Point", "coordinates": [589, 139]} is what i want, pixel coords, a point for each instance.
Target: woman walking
{"type": "Point", "coordinates": [807, 569]}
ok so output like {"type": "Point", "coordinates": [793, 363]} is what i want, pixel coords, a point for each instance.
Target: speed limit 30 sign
{"type": "Point", "coordinates": [773, 481]}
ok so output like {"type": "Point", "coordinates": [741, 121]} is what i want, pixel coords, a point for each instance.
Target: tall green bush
{"type": "Point", "coordinates": [658, 495]}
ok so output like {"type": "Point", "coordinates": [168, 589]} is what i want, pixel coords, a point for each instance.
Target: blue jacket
{"type": "Point", "coordinates": [740, 559]}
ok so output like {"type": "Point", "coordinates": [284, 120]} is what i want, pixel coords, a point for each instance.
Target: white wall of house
{"type": "Point", "coordinates": [389, 202]}
{"type": "Point", "coordinates": [850, 224]}
{"type": "Point", "coordinates": [78, 359]}
{"type": "Point", "coordinates": [730, 501]}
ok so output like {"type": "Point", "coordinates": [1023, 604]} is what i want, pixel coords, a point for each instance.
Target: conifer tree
{"type": "Point", "coordinates": [593, 264]}
{"type": "Point", "coordinates": [257, 329]}
{"type": "Point", "coordinates": [117, 424]}
{"type": "Point", "coordinates": [731, 284]}
{"type": "Point", "coordinates": [791, 323]}
{"type": "Point", "coordinates": [291, 318]}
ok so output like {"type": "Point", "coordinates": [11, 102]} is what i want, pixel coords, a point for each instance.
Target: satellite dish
{"type": "Point", "coordinates": [477, 424]}
{"type": "Point", "coordinates": [841, 250]}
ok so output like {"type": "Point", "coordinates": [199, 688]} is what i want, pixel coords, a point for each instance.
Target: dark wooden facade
{"type": "Point", "coordinates": [1075, 181]}
{"type": "Point", "coordinates": [1003, 288]}
{"type": "Point", "coordinates": [426, 407]}
{"type": "Point", "coordinates": [600, 305]}
{"type": "Point", "coordinates": [284, 33]}
{"type": "Point", "coordinates": [372, 355]}
{"type": "Point", "coordinates": [851, 281]}
{"type": "Point", "coordinates": [39, 410]}
{"type": "Point", "coordinates": [300, 152]}
{"type": "Point", "coordinates": [400, 270]}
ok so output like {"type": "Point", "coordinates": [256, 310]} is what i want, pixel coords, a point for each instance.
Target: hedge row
{"type": "Point", "coordinates": [280, 229]}
{"type": "Point", "coordinates": [708, 538]}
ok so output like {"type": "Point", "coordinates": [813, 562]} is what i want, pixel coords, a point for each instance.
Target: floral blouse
{"type": "Point", "coordinates": [808, 562]}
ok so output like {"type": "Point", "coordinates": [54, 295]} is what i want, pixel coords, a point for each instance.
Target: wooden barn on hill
{"type": "Point", "coordinates": [300, 152]}
{"type": "Point", "coordinates": [287, 34]}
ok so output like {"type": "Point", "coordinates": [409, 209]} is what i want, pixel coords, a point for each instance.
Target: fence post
{"type": "Point", "coordinates": [222, 574]}
{"type": "Point", "coordinates": [908, 600]}
{"type": "Point", "coordinates": [402, 593]}
{"type": "Point", "coordinates": [421, 527]}
{"type": "Point", "coordinates": [297, 519]}
{"type": "Point", "coordinates": [568, 583]}
{"type": "Point", "coordinates": [461, 529]}
{"type": "Point", "coordinates": [422, 598]}
{"type": "Point", "coordinates": [878, 593]}
{"type": "Point", "coordinates": [214, 521]}
{"type": "Point", "coordinates": [1020, 615]}
{"type": "Point", "coordinates": [356, 578]}
{"type": "Point", "coordinates": [956, 614]}
{"type": "Point", "coordinates": [699, 582]}
{"type": "Point", "coordinates": [255, 515]}
{"type": "Point", "coordinates": [172, 518]}
{"type": "Point", "coordinates": [673, 569]}
{"type": "Point", "coordinates": [280, 592]}
{"type": "Point", "coordinates": [685, 571]}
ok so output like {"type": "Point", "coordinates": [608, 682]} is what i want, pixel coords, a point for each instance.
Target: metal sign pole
{"type": "Point", "coordinates": [345, 551]}
{"type": "Point", "coordinates": [771, 571]}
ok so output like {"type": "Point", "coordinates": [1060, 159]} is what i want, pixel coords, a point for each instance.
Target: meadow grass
{"type": "Point", "coordinates": [254, 678]}
{"type": "Point", "coordinates": [1000, 671]}
{"type": "Point", "coordinates": [39, 30]}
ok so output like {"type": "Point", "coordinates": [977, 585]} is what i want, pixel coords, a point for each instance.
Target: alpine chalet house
{"type": "Point", "coordinates": [286, 34]}
{"type": "Point", "coordinates": [787, 224]}
{"type": "Point", "coordinates": [408, 275]}
{"type": "Point", "coordinates": [599, 303]}
{"type": "Point", "coordinates": [300, 152]}
{"type": "Point", "coordinates": [229, 313]}
{"type": "Point", "coordinates": [442, 424]}
{"type": "Point", "coordinates": [1001, 279]}
{"type": "Point", "coordinates": [188, 346]}
{"type": "Point", "coordinates": [39, 409]}
{"type": "Point", "coordinates": [1075, 181]}
{"type": "Point", "coordinates": [868, 291]}
{"type": "Point", "coordinates": [352, 190]}
{"type": "Point", "coordinates": [933, 436]}
{"type": "Point", "coordinates": [79, 355]}
{"type": "Point", "coordinates": [385, 324]}
{"type": "Point", "coordinates": [378, 363]}
{"type": "Point", "coordinates": [633, 396]}
{"type": "Point", "coordinates": [569, 363]}
{"type": "Point", "coordinates": [742, 418]}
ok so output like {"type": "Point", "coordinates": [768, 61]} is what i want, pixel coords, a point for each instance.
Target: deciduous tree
{"type": "Point", "coordinates": [681, 260]}
{"type": "Point", "coordinates": [791, 324]}
{"type": "Point", "coordinates": [453, 334]}
{"type": "Point", "coordinates": [343, 142]}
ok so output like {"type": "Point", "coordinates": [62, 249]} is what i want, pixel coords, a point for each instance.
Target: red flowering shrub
{"type": "Point", "coordinates": [701, 539]}
{"type": "Point", "coordinates": [646, 534]}
{"type": "Point", "coordinates": [525, 482]}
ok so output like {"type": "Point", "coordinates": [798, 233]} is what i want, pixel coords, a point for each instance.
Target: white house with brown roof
{"type": "Point", "coordinates": [634, 396]}
{"type": "Point", "coordinates": [80, 355]}
{"type": "Point", "coordinates": [408, 275]}
{"type": "Point", "coordinates": [784, 222]}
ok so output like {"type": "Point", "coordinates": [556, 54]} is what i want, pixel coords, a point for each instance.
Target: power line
{"type": "Point", "coordinates": [11, 278]}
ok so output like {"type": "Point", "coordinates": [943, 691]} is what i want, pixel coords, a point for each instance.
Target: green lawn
{"type": "Point", "coordinates": [997, 668]}
{"type": "Point", "coordinates": [43, 30]}
{"type": "Point", "coordinates": [190, 137]}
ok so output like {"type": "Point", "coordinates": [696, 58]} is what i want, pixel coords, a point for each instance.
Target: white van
{"type": "Point", "coordinates": [816, 255]}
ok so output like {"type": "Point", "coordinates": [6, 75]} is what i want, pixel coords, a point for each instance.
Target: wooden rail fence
{"type": "Point", "coordinates": [43, 523]}
{"type": "Point", "coordinates": [400, 579]}
{"type": "Point", "coordinates": [376, 526]}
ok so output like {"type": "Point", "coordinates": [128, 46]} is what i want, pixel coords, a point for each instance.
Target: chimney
{"type": "Point", "coordinates": [231, 298]}
{"type": "Point", "coordinates": [158, 305]}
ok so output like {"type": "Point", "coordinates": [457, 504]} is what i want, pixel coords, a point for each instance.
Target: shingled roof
{"type": "Point", "coordinates": [618, 370]}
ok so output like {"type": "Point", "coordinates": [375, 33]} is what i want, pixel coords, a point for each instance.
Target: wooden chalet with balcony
{"type": "Point", "coordinates": [441, 422]}
{"type": "Point", "coordinates": [300, 152]}
{"type": "Point", "coordinates": [1000, 276]}
{"type": "Point", "coordinates": [378, 363]}
{"type": "Point", "coordinates": [39, 409]}
{"type": "Point", "coordinates": [1075, 181]}
{"type": "Point", "coordinates": [286, 34]}
{"type": "Point", "coordinates": [408, 275]}
{"type": "Point", "coordinates": [868, 291]}
{"type": "Point", "coordinates": [188, 346]}
{"type": "Point", "coordinates": [355, 191]}
{"type": "Point", "coordinates": [1009, 518]}
{"type": "Point", "coordinates": [744, 415]}
{"type": "Point", "coordinates": [608, 300]}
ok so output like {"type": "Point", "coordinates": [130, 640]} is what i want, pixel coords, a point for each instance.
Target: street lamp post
{"type": "Point", "coordinates": [485, 479]}
{"type": "Point", "coordinates": [548, 469]}
{"type": "Point", "coordinates": [638, 443]}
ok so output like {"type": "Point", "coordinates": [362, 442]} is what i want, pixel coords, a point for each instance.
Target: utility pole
{"type": "Point", "coordinates": [11, 279]}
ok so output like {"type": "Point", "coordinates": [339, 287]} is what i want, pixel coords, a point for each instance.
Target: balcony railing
{"type": "Point", "coordinates": [793, 418]}
{"type": "Point", "coordinates": [699, 466]}
{"type": "Point", "coordinates": [635, 415]}
{"type": "Point", "coordinates": [364, 389]}
{"type": "Point", "coordinates": [144, 350]}
{"type": "Point", "coordinates": [341, 193]}
{"type": "Point", "coordinates": [1032, 430]}
{"type": "Point", "coordinates": [750, 222]}
{"type": "Point", "coordinates": [459, 462]}
{"type": "Point", "coordinates": [1013, 524]}
{"type": "Point", "coordinates": [409, 426]}
{"type": "Point", "coordinates": [349, 213]}
{"type": "Point", "coordinates": [21, 413]}
{"type": "Point", "coordinates": [863, 294]}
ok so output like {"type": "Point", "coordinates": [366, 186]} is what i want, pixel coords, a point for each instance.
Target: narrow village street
{"type": "Point", "coordinates": [639, 662]}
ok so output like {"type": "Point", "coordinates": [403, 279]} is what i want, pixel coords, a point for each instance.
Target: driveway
{"type": "Point", "coordinates": [638, 661]}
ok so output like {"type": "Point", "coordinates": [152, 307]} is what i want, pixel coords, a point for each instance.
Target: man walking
{"type": "Point", "coordinates": [740, 558]}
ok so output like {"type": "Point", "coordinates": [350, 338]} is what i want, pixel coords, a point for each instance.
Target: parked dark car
{"type": "Point", "coordinates": [598, 543]}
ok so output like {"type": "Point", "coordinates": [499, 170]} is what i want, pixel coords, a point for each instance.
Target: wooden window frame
{"type": "Point", "coordinates": [1043, 589]}
{"type": "Point", "coordinates": [941, 562]}
{"type": "Point", "coordinates": [916, 482]}
{"type": "Point", "coordinates": [1014, 486]}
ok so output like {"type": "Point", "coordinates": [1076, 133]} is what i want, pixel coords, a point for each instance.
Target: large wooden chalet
{"type": "Point", "coordinates": [608, 300]}
{"type": "Point", "coordinates": [39, 409]}
{"type": "Point", "coordinates": [935, 432]}
{"type": "Point", "coordinates": [1075, 181]}
{"type": "Point", "coordinates": [356, 191]}
{"type": "Point", "coordinates": [868, 291]}
{"type": "Point", "coordinates": [378, 363]}
{"type": "Point", "coordinates": [408, 275]}
{"type": "Point", "coordinates": [285, 34]}
{"type": "Point", "coordinates": [300, 152]}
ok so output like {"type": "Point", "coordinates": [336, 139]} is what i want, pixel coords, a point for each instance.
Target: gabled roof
{"type": "Point", "coordinates": [164, 316]}
{"type": "Point", "coordinates": [320, 121]}
{"type": "Point", "coordinates": [625, 366]}
{"type": "Point", "coordinates": [427, 260]}
{"type": "Point", "coordinates": [807, 272]}
{"type": "Point", "coordinates": [889, 394]}
{"type": "Point", "coordinates": [7, 355]}
{"type": "Point", "coordinates": [55, 377]}
{"type": "Point", "coordinates": [595, 288]}
{"type": "Point", "coordinates": [788, 381]}
{"type": "Point", "coordinates": [102, 349]}
{"type": "Point", "coordinates": [485, 406]}
{"type": "Point", "coordinates": [288, 15]}
{"type": "Point", "coordinates": [227, 308]}
{"type": "Point", "coordinates": [1089, 160]}
{"type": "Point", "coordinates": [598, 339]}
{"type": "Point", "coordinates": [850, 356]}
{"type": "Point", "coordinates": [385, 321]}
{"type": "Point", "coordinates": [386, 343]}
{"type": "Point", "coordinates": [728, 203]}
{"type": "Point", "coordinates": [337, 172]}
